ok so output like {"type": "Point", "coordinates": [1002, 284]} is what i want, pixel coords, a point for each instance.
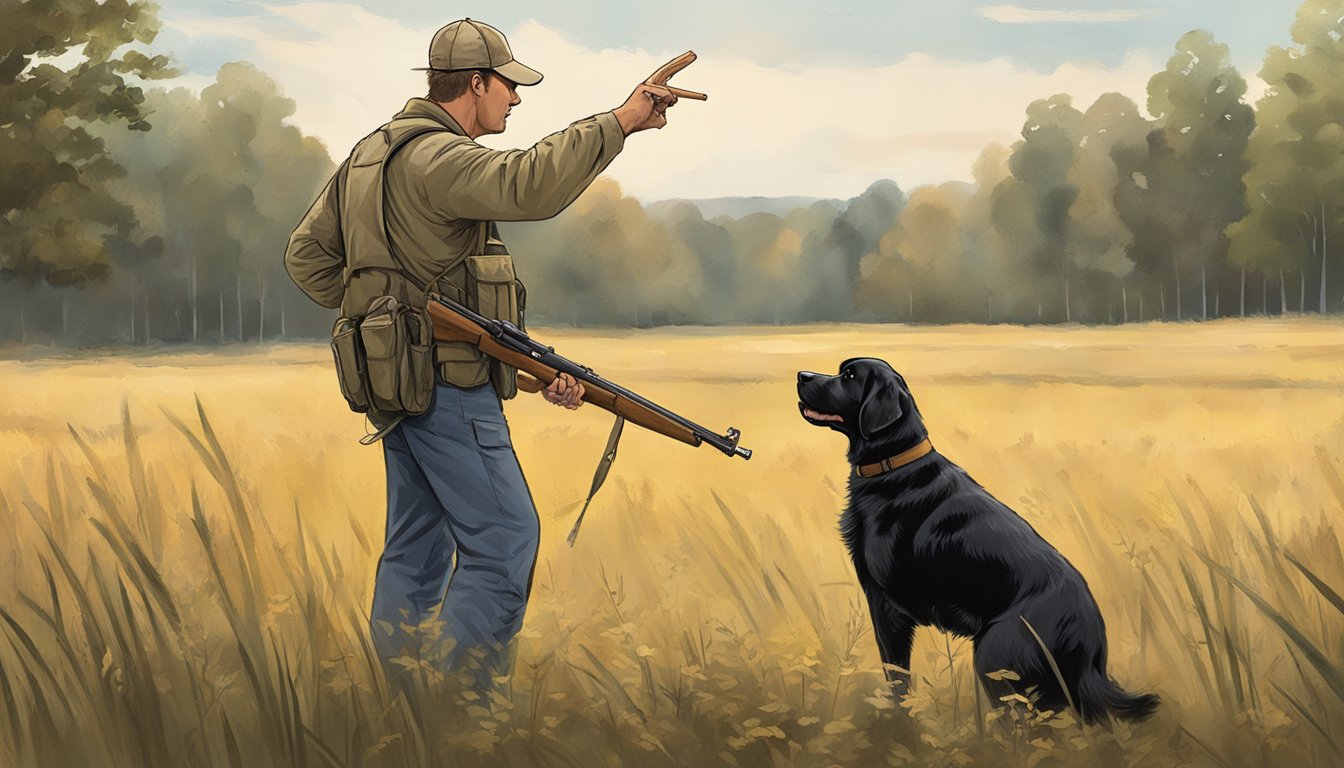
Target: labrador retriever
{"type": "Point", "coordinates": [932, 547]}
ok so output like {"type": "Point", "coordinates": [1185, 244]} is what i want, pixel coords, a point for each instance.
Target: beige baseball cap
{"type": "Point", "coordinates": [468, 44]}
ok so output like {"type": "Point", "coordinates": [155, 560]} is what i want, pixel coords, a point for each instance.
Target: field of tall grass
{"type": "Point", "coordinates": [189, 543]}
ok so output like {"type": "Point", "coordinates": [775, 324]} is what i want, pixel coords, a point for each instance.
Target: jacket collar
{"type": "Point", "coordinates": [424, 108]}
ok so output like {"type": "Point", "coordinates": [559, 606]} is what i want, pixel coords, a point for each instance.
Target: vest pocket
{"type": "Point", "coordinates": [462, 364]}
{"type": "Point", "coordinates": [399, 357]}
{"type": "Point", "coordinates": [345, 348]}
{"type": "Point", "coordinates": [492, 287]}
{"type": "Point", "coordinates": [415, 396]}
{"type": "Point", "coordinates": [493, 292]}
{"type": "Point", "coordinates": [383, 342]}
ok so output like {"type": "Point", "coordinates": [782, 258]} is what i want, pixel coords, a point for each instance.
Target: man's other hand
{"type": "Point", "coordinates": [565, 390]}
{"type": "Point", "coordinates": [646, 108]}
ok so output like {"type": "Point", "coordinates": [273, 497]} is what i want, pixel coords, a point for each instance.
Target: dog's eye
{"type": "Point", "coordinates": [848, 373]}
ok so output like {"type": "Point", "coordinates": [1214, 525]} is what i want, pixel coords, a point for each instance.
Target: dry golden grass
{"type": "Point", "coordinates": [184, 587]}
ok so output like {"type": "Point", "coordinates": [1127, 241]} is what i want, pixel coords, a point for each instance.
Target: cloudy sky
{"type": "Point", "coordinates": [806, 98]}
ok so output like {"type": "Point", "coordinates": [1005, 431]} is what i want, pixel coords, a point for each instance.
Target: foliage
{"type": "Point", "coordinates": [1191, 179]}
{"type": "Point", "coordinates": [1099, 214]}
{"type": "Point", "coordinates": [220, 183]}
{"type": "Point", "coordinates": [1296, 179]}
{"type": "Point", "coordinates": [58, 218]}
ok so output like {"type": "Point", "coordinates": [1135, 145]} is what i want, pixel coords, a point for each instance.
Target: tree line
{"type": "Point", "coordinates": [134, 214]}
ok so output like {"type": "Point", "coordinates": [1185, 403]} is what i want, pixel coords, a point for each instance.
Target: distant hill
{"type": "Point", "coordinates": [739, 207]}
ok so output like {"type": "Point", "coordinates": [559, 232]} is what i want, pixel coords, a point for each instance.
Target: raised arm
{"type": "Point", "coordinates": [469, 181]}
{"type": "Point", "coordinates": [475, 182]}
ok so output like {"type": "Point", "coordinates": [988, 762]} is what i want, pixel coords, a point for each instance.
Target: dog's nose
{"type": "Point", "coordinates": [805, 376]}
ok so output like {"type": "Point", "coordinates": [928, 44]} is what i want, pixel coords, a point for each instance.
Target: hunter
{"type": "Point", "coordinates": [462, 529]}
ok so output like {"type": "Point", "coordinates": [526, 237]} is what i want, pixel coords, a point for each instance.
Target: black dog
{"type": "Point", "coordinates": [932, 547]}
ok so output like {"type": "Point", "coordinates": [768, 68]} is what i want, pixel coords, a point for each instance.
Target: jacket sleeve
{"type": "Point", "coordinates": [465, 180]}
{"type": "Point", "coordinates": [315, 257]}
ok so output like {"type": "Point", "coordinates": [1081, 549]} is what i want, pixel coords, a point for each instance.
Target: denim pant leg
{"type": "Point", "coordinates": [463, 447]}
{"type": "Point", "coordinates": [417, 555]}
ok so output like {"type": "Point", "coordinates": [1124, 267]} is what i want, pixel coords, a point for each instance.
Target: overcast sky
{"type": "Point", "coordinates": [812, 98]}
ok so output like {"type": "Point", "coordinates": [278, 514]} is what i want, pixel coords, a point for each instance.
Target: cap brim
{"type": "Point", "coordinates": [518, 73]}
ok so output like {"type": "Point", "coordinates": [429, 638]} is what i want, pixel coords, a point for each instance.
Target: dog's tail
{"type": "Point", "coordinates": [1099, 696]}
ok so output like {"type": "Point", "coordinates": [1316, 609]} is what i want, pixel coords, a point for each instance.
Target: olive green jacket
{"type": "Point", "coordinates": [440, 188]}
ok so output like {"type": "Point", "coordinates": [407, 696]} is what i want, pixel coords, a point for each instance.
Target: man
{"type": "Point", "coordinates": [460, 517]}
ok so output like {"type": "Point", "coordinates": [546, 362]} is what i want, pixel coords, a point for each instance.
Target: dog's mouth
{"type": "Point", "coordinates": [817, 417]}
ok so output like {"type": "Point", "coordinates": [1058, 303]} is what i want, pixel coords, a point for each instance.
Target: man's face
{"type": "Point", "coordinates": [492, 108]}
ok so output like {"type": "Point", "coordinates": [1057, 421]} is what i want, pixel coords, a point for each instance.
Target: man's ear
{"type": "Point", "coordinates": [880, 409]}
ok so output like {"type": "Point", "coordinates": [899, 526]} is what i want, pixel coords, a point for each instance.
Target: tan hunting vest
{"type": "Point", "coordinates": [373, 267]}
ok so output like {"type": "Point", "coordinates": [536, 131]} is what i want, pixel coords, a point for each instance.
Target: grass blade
{"type": "Point", "coordinates": [1332, 675]}
{"type": "Point", "coordinates": [1326, 591]}
{"type": "Point", "coordinates": [610, 681]}
{"type": "Point", "coordinates": [1054, 667]}
{"type": "Point", "coordinates": [1305, 713]}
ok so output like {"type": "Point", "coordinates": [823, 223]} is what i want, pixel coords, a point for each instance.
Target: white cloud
{"type": "Point", "coordinates": [1014, 14]}
{"type": "Point", "coordinates": [826, 132]}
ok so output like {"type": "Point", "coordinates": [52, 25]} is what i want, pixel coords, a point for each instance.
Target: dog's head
{"type": "Point", "coordinates": [868, 402]}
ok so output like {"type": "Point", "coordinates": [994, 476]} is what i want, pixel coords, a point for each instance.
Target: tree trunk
{"type": "Point", "coordinates": [1204, 293]}
{"type": "Point", "coordinates": [23, 323]}
{"type": "Point", "coordinates": [65, 314]}
{"type": "Point", "coordinates": [1140, 306]}
{"type": "Point", "coordinates": [1039, 314]}
{"type": "Point", "coordinates": [1325, 249]}
{"type": "Point", "coordinates": [238, 299]}
{"type": "Point", "coordinates": [144, 298]}
{"type": "Point", "coordinates": [991, 307]}
{"type": "Point", "coordinates": [1178, 295]}
{"type": "Point", "coordinates": [221, 315]}
{"type": "Point", "coordinates": [1283, 294]}
{"type": "Point", "coordinates": [1302, 285]}
{"type": "Point", "coordinates": [261, 308]}
{"type": "Point", "coordinates": [194, 319]}
{"type": "Point", "coordinates": [1264, 293]}
{"type": "Point", "coordinates": [1124, 302]}
{"type": "Point", "coordinates": [1068, 309]}
{"type": "Point", "coordinates": [135, 299]}
{"type": "Point", "coordinates": [1217, 299]}
{"type": "Point", "coordinates": [911, 305]}
{"type": "Point", "coordinates": [1243, 291]}
{"type": "Point", "coordinates": [1162, 295]}
{"type": "Point", "coordinates": [282, 321]}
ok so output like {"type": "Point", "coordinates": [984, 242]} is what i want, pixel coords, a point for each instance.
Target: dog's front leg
{"type": "Point", "coordinates": [895, 633]}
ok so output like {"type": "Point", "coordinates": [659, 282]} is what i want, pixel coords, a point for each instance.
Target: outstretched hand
{"type": "Point", "coordinates": [647, 106]}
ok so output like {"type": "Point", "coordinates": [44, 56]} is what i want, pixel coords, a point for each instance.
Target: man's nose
{"type": "Point", "coordinates": [516, 100]}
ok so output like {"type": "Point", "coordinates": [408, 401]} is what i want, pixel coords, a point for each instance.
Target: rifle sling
{"type": "Point", "coordinates": [600, 475]}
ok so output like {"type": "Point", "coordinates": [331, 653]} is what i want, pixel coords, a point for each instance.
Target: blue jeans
{"type": "Point", "coordinates": [462, 530]}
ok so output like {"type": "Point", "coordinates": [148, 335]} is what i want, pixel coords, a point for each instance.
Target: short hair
{"type": "Point", "coordinates": [447, 85]}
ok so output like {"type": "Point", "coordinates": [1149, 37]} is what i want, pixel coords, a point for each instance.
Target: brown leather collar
{"type": "Point", "coordinates": [924, 448]}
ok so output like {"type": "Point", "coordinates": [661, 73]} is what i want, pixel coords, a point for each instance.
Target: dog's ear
{"type": "Point", "coordinates": [880, 409]}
